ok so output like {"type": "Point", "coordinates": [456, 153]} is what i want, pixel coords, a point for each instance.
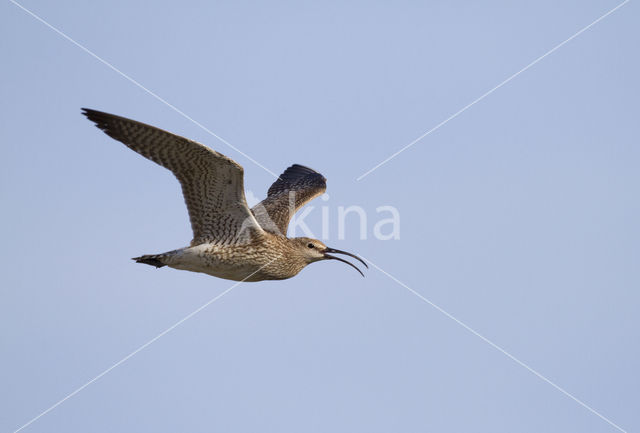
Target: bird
{"type": "Point", "coordinates": [230, 240]}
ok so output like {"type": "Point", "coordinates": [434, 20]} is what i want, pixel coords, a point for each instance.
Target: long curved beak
{"type": "Point", "coordinates": [331, 250]}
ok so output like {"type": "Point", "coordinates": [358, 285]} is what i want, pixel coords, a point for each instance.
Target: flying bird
{"type": "Point", "coordinates": [230, 240]}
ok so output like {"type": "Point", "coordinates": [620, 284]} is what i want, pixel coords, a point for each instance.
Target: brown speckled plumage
{"type": "Point", "coordinates": [229, 240]}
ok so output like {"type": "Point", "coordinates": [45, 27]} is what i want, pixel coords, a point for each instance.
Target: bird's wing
{"type": "Point", "coordinates": [212, 184]}
{"type": "Point", "coordinates": [295, 187]}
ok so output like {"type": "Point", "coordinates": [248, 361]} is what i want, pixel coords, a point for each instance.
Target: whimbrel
{"type": "Point", "coordinates": [230, 240]}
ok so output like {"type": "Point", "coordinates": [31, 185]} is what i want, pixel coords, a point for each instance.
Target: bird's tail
{"type": "Point", "coordinates": [156, 260]}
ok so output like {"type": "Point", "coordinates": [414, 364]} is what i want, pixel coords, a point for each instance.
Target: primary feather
{"type": "Point", "coordinates": [294, 188]}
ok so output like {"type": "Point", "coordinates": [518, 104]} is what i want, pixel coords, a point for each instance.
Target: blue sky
{"type": "Point", "coordinates": [519, 217]}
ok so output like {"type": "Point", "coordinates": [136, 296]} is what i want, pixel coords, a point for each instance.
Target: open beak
{"type": "Point", "coordinates": [331, 250]}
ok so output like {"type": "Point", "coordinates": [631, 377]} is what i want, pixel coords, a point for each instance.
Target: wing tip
{"type": "Point", "coordinates": [292, 177]}
{"type": "Point", "coordinates": [89, 112]}
{"type": "Point", "coordinates": [298, 170]}
{"type": "Point", "coordinates": [104, 121]}
{"type": "Point", "coordinates": [97, 117]}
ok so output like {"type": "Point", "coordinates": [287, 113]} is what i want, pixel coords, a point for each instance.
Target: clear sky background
{"type": "Point", "coordinates": [519, 217]}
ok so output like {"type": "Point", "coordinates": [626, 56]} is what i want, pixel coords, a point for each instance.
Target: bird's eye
{"type": "Point", "coordinates": [310, 245]}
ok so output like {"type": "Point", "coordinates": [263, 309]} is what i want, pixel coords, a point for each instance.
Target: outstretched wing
{"type": "Point", "coordinates": [212, 184]}
{"type": "Point", "coordinates": [295, 187]}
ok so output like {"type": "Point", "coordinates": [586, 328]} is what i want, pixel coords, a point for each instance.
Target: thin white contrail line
{"type": "Point", "coordinates": [173, 107]}
{"type": "Point", "coordinates": [480, 98]}
{"type": "Point", "coordinates": [495, 346]}
{"type": "Point", "coordinates": [175, 325]}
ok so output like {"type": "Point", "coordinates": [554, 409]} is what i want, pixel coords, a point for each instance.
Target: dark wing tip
{"type": "Point", "coordinates": [299, 169]}
{"type": "Point", "coordinates": [296, 171]}
{"type": "Point", "coordinates": [297, 176]}
{"type": "Point", "coordinates": [100, 118]}
{"type": "Point", "coordinates": [294, 175]}
{"type": "Point", "coordinates": [93, 114]}
{"type": "Point", "coordinates": [107, 122]}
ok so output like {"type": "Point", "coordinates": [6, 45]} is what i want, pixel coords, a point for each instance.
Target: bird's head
{"type": "Point", "coordinates": [312, 250]}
